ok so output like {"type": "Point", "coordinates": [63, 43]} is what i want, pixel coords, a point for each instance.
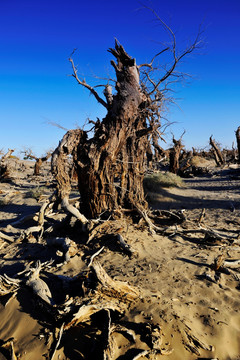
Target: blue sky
{"type": "Point", "coordinates": [37, 38]}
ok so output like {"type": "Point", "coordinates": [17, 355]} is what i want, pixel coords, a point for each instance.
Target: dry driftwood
{"type": "Point", "coordinates": [213, 235]}
{"type": "Point", "coordinates": [114, 288]}
{"type": "Point", "coordinates": [85, 312]}
{"type": "Point", "coordinates": [38, 286]}
{"type": "Point", "coordinates": [6, 237]}
{"type": "Point", "coordinates": [110, 295]}
{"type": "Point", "coordinates": [152, 227]}
{"type": "Point", "coordinates": [8, 285]}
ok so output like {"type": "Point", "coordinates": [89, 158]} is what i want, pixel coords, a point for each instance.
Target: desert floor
{"type": "Point", "coordinates": [194, 306]}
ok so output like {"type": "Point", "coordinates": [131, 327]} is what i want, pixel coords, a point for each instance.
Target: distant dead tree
{"type": "Point", "coordinates": [28, 154]}
{"type": "Point", "coordinates": [194, 151]}
{"type": "Point", "coordinates": [217, 152]}
{"type": "Point", "coordinates": [238, 142]}
{"type": "Point", "coordinates": [110, 163]}
{"type": "Point", "coordinates": [174, 154]}
{"type": "Point", "coordinates": [4, 166]}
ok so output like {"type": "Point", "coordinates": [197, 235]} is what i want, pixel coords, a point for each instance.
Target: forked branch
{"type": "Point", "coordinates": [172, 49]}
{"type": "Point", "coordinates": [87, 86]}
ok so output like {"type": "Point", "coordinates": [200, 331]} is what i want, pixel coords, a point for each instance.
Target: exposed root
{"type": "Point", "coordinates": [58, 342]}
{"type": "Point", "coordinates": [6, 237]}
{"type": "Point", "coordinates": [74, 211]}
{"type": "Point", "coordinates": [8, 285]}
{"type": "Point", "coordinates": [114, 288]}
{"type": "Point", "coordinates": [94, 255]}
{"type": "Point", "coordinates": [85, 312]}
{"type": "Point", "coordinates": [126, 248]}
{"type": "Point", "coordinates": [42, 212]}
{"type": "Point", "coordinates": [152, 227]}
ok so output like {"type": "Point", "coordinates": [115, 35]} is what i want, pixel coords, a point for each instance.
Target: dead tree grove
{"type": "Point", "coordinates": [110, 164]}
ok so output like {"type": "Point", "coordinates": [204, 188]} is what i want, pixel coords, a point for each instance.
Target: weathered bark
{"type": "Point", "coordinates": [238, 142]}
{"type": "Point", "coordinates": [217, 152]}
{"type": "Point", "coordinates": [110, 165]}
{"type": "Point", "coordinates": [174, 156]}
{"type": "Point", "coordinates": [62, 169]}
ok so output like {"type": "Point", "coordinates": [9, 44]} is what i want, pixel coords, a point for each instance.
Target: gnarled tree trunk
{"type": "Point", "coordinates": [110, 165]}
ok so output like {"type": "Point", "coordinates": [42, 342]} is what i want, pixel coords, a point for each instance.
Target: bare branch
{"type": "Point", "coordinates": [53, 123]}
{"type": "Point", "coordinates": [28, 154]}
{"type": "Point", "coordinates": [170, 69]}
{"type": "Point", "coordinates": [155, 56]}
{"type": "Point", "coordinates": [83, 83]}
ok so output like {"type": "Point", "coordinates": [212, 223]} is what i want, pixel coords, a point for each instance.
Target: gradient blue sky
{"type": "Point", "coordinates": [37, 36]}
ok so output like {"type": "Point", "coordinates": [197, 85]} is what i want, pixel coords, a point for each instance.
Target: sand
{"type": "Point", "coordinates": [169, 271]}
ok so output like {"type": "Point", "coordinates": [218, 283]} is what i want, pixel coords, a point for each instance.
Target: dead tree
{"type": "Point", "coordinates": [174, 155]}
{"type": "Point", "coordinates": [217, 152]}
{"type": "Point", "coordinates": [4, 166]}
{"type": "Point", "coordinates": [238, 142]}
{"type": "Point", "coordinates": [38, 160]}
{"type": "Point", "coordinates": [110, 164]}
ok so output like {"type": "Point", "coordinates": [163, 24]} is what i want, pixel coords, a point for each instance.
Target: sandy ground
{"type": "Point", "coordinates": [194, 307]}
